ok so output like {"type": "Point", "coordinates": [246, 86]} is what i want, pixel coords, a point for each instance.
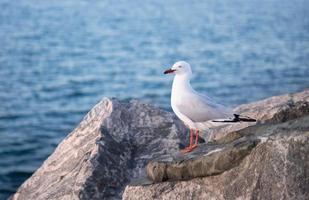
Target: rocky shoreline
{"type": "Point", "coordinates": [130, 150]}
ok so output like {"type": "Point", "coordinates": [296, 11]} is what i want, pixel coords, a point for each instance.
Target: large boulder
{"type": "Point", "coordinates": [116, 140]}
{"type": "Point", "coordinates": [272, 110]}
{"type": "Point", "coordinates": [229, 147]}
{"type": "Point", "coordinates": [207, 159]}
{"type": "Point", "coordinates": [108, 149]}
{"type": "Point", "coordinates": [277, 168]}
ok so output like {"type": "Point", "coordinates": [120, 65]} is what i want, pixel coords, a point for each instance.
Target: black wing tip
{"type": "Point", "coordinates": [237, 118]}
{"type": "Point", "coordinates": [243, 118]}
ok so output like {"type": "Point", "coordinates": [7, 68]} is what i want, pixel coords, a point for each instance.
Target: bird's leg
{"type": "Point", "coordinates": [196, 139]}
{"type": "Point", "coordinates": [191, 145]}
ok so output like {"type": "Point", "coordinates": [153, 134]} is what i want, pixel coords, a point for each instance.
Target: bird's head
{"type": "Point", "coordinates": [180, 68]}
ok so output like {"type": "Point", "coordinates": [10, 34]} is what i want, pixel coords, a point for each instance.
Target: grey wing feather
{"type": "Point", "coordinates": [202, 108]}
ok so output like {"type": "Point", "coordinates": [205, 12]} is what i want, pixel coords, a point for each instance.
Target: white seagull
{"type": "Point", "coordinates": [197, 111]}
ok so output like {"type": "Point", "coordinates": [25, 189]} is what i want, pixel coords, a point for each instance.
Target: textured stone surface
{"type": "Point", "coordinates": [201, 163]}
{"type": "Point", "coordinates": [277, 168]}
{"type": "Point", "coordinates": [115, 141]}
{"type": "Point", "coordinates": [272, 110]}
{"type": "Point", "coordinates": [206, 160]}
{"type": "Point", "coordinates": [108, 149]}
{"type": "Point", "coordinates": [278, 108]}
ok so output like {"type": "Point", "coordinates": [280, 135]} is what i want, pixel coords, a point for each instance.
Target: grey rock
{"type": "Point", "coordinates": [112, 145]}
{"type": "Point", "coordinates": [277, 168]}
{"type": "Point", "coordinates": [272, 110]}
{"type": "Point", "coordinates": [278, 108]}
{"type": "Point", "coordinates": [206, 160]}
{"type": "Point", "coordinates": [108, 149]}
{"type": "Point", "coordinates": [226, 154]}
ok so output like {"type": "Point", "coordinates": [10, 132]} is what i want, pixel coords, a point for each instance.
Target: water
{"type": "Point", "coordinates": [58, 58]}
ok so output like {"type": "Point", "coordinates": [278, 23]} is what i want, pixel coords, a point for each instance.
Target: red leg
{"type": "Point", "coordinates": [196, 139]}
{"type": "Point", "coordinates": [191, 145]}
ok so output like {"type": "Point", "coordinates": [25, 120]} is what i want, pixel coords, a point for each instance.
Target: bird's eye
{"type": "Point", "coordinates": [179, 66]}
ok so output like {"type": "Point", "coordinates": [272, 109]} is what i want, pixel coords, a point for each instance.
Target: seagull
{"type": "Point", "coordinates": [195, 110]}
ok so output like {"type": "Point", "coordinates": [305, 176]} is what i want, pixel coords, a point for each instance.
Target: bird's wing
{"type": "Point", "coordinates": [200, 108]}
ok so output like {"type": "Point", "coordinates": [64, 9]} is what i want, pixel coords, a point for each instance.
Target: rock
{"type": "Point", "coordinates": [277, 168]}
{"type": "Point", "coordinates": [226, 155]}
{"type": "Point", "coordinates": [112, 145]}
{"type": "Point", "coordinates": [108, 149]}
{"type": "Point", "coordinates": [278, 108]}
{"type": "Point", "coordinates": [268, 111]}
{"type": "Point", "coordinates": [206, 160]}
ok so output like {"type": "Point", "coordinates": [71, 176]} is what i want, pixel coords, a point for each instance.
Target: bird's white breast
{"type": "Point", "coordinates": [180, 94]}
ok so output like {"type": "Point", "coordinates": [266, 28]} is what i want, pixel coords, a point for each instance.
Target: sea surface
{"type": "Point", "coordinates": [59, 58]}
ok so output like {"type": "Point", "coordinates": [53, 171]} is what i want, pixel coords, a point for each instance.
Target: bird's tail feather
{"type": "Point", "coordinates": [237, 118]}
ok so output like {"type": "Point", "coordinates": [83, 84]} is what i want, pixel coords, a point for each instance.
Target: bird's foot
{"type": "Point", "coordinates": [188, 149]}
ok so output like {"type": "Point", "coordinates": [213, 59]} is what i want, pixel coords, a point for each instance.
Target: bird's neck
{"type": "Point", "coordinates": [181, 83]}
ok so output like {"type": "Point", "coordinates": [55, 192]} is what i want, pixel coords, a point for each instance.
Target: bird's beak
{"type": "Point", "coordinates": [169, 71]}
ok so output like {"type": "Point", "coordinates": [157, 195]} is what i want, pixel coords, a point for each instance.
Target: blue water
{"type": "Point", "coordinates": [58, 58]}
